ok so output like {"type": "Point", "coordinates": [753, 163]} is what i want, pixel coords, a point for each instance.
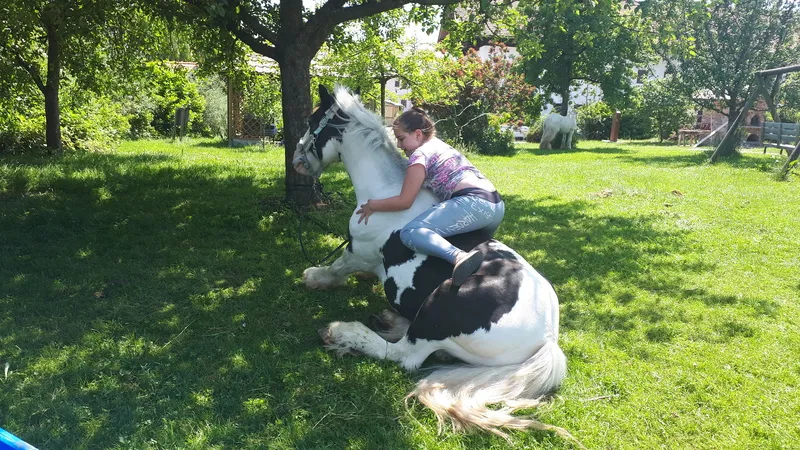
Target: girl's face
{"type": "Point", "coordinates": [409, 140]}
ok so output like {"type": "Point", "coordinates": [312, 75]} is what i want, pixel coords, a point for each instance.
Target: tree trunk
{"type": "Point", "coordinates": [383, 100]}
{"type": "Point", "coordinates": [767, 95]}
{"type": "Point", "coordinates": [564, 102]}
{"type": "Point", "coordinates": [773, 93]}
{"type": "Point", "coordinates": [52, 112]}
{"type": "Point", "coordinates": [296, 100]}
{"type": "Point", "coordinates": [731, 140]}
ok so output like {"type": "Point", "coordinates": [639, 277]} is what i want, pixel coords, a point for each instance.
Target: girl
{"type": "Point", "coordinates": [469, 201]}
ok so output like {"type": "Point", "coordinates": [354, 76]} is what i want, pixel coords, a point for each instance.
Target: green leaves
{"type": "Point", "coordinates": [720, 44]}
{"type": "Point", "coordinates": [565, 41]}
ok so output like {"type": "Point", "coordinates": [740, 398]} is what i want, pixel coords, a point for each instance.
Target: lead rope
{"type": "Point", "coordinates": [302, 217]}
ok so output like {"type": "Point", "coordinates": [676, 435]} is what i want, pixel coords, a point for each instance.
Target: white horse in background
{"type": "Point", "coordinates": [555, 123]}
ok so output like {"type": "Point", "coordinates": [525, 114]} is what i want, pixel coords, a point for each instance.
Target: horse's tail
{"type": "Point", "coordinates": [548, 134]}
{"type": "Point", "coordinates": [461, 394]}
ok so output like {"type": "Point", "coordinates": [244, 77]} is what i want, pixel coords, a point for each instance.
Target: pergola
{"type": "Point", "coordinates": [245, 129]}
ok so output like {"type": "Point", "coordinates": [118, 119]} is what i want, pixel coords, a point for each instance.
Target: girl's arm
{"type": "Point", "coordinates": [415, 176]}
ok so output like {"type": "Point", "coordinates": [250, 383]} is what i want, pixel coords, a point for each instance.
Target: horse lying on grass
{"type": "Point", "coordinates": [502, 322]}
{"type": "Point", "coordinates": [554, 124]}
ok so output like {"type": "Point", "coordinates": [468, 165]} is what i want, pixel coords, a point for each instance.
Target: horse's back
{"type": "Point", "coordinates": [411, 277]}
{"type": "Point", "coordinates": [559, 122]}
{"type": "Point", "coordinates": [505, 299]}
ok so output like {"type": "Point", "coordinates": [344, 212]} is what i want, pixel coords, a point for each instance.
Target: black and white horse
{"type": "Point", "coordinates": [502, 322]}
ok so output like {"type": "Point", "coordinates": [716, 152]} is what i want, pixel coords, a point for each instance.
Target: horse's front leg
{"type": "Point", "coordinates": [355, 337]}
{"type": "Point", "coordinates": [337, 273]}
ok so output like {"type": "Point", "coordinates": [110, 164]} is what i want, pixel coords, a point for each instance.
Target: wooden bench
{"type": "Point", "coordinates": [687, 135]}
{"type": "Point", "coordinates": [780, 135]}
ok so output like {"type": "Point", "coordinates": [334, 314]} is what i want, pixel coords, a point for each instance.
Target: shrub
{"type": "Point", "coordinates": [489, 93]}
{"type": "Point", "coordinates": [138, 108]}
{"type": "Point", "coordinates": [473, 131]}
{"type": "Point", "coordinates": [215, 115]}
{"type": "Point", "coordinates": [93, 126]}
{"type": "Point", "coordinates": [21, 115]}
{"type": "Point", "coordinates": [88, 121]}
{"type": "Point", "coordinates": [495, 142]}
{"type": "Point", "coordinates": [22, 134]}
{"type": "Point", "coordinates": [172, 88]}
{"type": "Point", "coordinates": [634, 123]}
{"type": "Point", "coordinates": [594, 120]}
{"type": "Point", "coordinates": [535, 131]}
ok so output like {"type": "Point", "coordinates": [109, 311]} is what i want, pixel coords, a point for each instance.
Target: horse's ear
{"type": "Point", "coordinates": [324, 95]}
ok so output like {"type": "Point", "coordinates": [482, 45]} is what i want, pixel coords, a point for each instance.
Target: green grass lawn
{"type": "Point", "coordinates": [150, 297]}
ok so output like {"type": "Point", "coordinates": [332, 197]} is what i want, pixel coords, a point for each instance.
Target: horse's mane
{"type": "Point", "coordinates": [368, 127]}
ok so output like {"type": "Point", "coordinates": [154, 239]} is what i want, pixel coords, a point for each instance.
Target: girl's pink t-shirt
{"type": "Point", "coordinates": [444, 166]}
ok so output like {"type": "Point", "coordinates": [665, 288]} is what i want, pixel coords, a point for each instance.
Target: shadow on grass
{"type": "Point", "coordinates": [627, 143]}
{"type": "Point", "coordinates": [688, 159]}
{"type": "Point", "coordinates": [612, 272]}
{"type": "Point", "coordinates": [148, 305]}
{"type": "Point", "coordinates": [698, 157]}
{"type": "Point", "coordinates": [558, 151]}
{"type": "Point", "coordinates": [221, 143]}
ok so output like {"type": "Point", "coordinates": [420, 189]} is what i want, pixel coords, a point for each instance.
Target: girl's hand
{"type": "Point", "coordinates": [365, 211]}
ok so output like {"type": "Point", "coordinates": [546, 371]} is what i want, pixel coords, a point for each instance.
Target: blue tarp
{"type": "Point", "coordinates": [10, 442]}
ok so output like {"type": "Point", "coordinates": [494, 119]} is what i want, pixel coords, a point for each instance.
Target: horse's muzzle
{"type": "Point", "coordinates": [297, 163]}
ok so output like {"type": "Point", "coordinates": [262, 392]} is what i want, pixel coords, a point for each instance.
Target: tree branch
{"type": "Point", "coordinates": [373, 7]}
{"type": "Point", "coordinates": [248, 37]}
{"type": "Point", "coordinates": [31, 69]}
{"type": "Point", "coordinates": [247, 18]}
{"type": "Point", "coordinates": [256, 45]}
{"type": "Point", "coordinates": [590, 80]}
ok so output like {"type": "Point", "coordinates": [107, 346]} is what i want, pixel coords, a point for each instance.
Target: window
{"type": "Point", "coordinates": [641, 76]}
{"type": "Point", "coordinates": [397, 83]}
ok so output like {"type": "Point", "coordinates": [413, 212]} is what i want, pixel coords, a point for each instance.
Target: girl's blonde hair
{"type": "Point", "coordinates": [415, 119]}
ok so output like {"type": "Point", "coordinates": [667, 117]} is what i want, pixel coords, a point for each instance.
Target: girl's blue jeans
{"type": "Point", "coordinates": [427, 232]}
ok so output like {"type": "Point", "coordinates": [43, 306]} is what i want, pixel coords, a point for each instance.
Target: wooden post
{"type": "Point", "coordinates": [778, 70]}
{"type": "Point", "coordinates": [230, 112]}
{"type": "Point", "coordinates": [615, 127]}
{"type": "Point", "coordinates": [792, 157]}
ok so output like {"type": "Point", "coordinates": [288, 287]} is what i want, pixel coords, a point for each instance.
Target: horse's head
{"type": "Point", "coordinates": [319, 147]}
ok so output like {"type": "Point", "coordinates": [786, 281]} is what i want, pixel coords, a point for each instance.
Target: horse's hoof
{"type": "Point", "coordinates": [319, 278]}
{"type": "Point", "coordinates": [377, 323]}
{"type": "Point", "coordinates": [312, 278]}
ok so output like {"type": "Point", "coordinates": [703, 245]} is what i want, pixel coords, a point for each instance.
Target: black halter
{"type": "Point", "coordinates": [305, 148]}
